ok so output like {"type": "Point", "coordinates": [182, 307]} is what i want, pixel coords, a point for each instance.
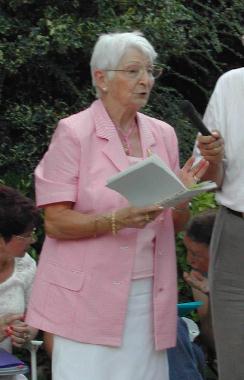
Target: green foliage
{"type": "Point", "coordinates": [205, 201]}
{"type": "Point", "coordinates": [44, 62]}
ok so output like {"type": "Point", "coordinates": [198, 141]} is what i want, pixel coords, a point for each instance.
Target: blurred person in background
{"type": "Point", "coordinates": [197, 242]}
{"type": "Point", "coordinates": [187, 360]}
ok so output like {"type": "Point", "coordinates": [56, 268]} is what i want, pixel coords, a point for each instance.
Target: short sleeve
{"type": "Point", "coordinates": [56, 176]}
{"type": "Point", "coordinates": [25, 273]}
{"type": "Point", "coordinates": [213, 116]}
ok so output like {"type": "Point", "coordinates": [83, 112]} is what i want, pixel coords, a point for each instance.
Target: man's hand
{"type": "Point", "coordinates": [211, 147]}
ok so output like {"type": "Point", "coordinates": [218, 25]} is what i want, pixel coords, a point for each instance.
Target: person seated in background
{"type": "Point", "coordinates": [18, 218]}
{"type": "Point", "coordinates": [186, 360]}
{"type": "Point", "coordinates": [197, 240]}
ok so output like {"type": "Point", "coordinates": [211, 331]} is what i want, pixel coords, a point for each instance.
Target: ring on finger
{"type": "Point", "coordinates": [147, 218]}
{"type": "Point", "coordinates": [196, 178]}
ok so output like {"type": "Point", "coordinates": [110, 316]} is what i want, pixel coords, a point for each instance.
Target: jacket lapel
{"type": "Point", "coordinates": [115, 152]}
{"type": "Point", "coordinates": [105, 129]}
{"type": "Point", "coordinates": [147, 138]}
{"type": "Point", "coordinates": [113, 149]}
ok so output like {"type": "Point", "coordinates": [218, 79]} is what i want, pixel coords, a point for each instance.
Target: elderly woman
{"type": "Point", "coordinates": [106, 281]}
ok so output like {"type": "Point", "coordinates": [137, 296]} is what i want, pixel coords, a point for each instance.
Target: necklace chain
{"type": "Point", "coordinates": [125, 137]}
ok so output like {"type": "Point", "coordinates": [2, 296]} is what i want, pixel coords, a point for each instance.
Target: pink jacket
{"type": "Point", "coordinates": [81, 288]}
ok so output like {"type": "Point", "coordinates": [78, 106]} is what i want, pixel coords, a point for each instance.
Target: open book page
{"type": "Point", "coordinates": [151, 181]}
{"type": "Point", "coordinates": [188, 194]}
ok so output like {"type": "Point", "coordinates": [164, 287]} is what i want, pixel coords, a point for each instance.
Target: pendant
{"type": "Point", "coordinates": [127, 151]}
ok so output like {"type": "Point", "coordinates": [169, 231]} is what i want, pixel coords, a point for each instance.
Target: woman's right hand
{"type": "Point", "coordinates": [136, 217]}
{"type": "Point", "coordinates": [63, 222]}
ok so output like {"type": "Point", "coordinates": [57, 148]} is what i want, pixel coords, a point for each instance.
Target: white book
{"type": "Point", "coordinates": [151, 181]}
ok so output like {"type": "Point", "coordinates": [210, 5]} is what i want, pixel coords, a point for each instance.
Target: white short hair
{"type": "Point", "coordinates": [110, 48]}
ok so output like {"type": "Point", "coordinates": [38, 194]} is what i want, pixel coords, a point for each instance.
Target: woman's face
{"type": "Point", "coordinates": [131, 88]}
{"type": "Point", "coordinates": [16, 246]}
{"type": "Point", "coordinates": [197, 255]}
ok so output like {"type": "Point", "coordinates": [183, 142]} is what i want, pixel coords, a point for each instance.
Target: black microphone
{"type": "Point", "coordinates": [192, 114]}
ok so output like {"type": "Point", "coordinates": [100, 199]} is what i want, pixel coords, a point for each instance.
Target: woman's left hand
{"type": "Point", "coordinates": [21, 334]}
{"type": "Point", "coordinates": [6, 322]}
{"type": "Point", "coordinates": [190, 174]}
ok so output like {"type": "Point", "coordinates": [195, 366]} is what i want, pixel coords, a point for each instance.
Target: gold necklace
{"type": "Point", "coordinates": [125, 138]}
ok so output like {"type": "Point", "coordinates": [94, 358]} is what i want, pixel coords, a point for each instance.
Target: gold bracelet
{"type": "Point", "coordinates": [113, 223]}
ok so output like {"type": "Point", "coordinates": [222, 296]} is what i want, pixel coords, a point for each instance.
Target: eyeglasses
{"type": "Point", "coordinates": [136, 71]}
{"type": "Point", "coordinates": [28, 236]}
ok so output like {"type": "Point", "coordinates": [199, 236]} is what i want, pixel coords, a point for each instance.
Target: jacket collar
{"type": "Point", "coordinates": [105, 129]}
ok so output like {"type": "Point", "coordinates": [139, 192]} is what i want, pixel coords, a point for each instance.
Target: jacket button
{"type": "Point", "coordinates": [124, 247]}
{"type": "Point", "coordinates": [160, 289]}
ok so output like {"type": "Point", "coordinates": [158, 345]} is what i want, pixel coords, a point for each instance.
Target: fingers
{"type": "Point", "coordinates": [6, 324]}
{"type": "Point", "coordinates": [188, 164]}
{"type": "Point", "coordinates": [211, 147]}
{"type": "Point", "coordinates": [211, 139]}
{"type": "Point", "coordinates": [199, 170]}
{"type": "Point", "coordinates": [20, 335]}
{"type": "Point", "coordinates": [152, 211]}
{"type": "Point", "coordinates": [148, 214]}
{"type": "Point", "coordinates": [144, 216]}
{"type": "Point", "coordinates": [191, 174]}
{"type": "Point", "coordinates": [134, 217]}
{"type": "Point", "coordinates": [197, 275]}
{"type": "Point", "coordinates": [211, 150]}
{"type": "Point", "coordinates": [18, 341]}
{"type": "Point", "coordinates": [186, 276]}
{"type": "Point", "coordinates": [190, 280]}
{"type": "Point", "coordinates": [196, 280]}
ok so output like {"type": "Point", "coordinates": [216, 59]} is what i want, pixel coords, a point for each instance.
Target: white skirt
{"type": "Point", "coordinates": [136, 359]}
